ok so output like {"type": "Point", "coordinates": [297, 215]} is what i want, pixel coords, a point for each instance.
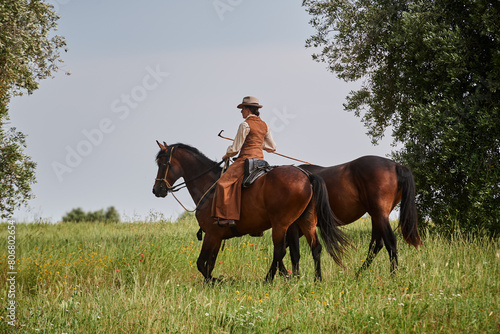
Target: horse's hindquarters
{"type": "Point", "coordinates": [276, 199]}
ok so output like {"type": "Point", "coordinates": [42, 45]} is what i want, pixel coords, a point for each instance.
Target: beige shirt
{"type": "Point", "coordinates": [243, 130]}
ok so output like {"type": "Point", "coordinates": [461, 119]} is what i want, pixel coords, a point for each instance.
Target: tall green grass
{"type": "Point", "coordinates": [142, 278]}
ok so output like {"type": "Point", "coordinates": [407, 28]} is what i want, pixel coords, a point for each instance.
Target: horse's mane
{"type": "Point", "coordinates": [200, 156]}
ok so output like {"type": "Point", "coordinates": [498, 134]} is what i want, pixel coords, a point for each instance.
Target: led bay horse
{"type": "Point", "coordinates": [372, 185]}
{"type": "Point", "coordinates": [276, 200]}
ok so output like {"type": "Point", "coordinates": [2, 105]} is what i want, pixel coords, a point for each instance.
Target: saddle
{"type": "Point", "coordinates": [254, 168]}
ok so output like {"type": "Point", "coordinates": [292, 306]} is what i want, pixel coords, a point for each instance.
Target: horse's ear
{"type": "Point", "coordinates": [161, 146]}
{"type": "Point", "coordinates": [165, 144]}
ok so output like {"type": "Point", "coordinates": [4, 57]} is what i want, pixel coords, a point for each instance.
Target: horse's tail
{"type": "Point", "coordinates": [329, 225]}
{"type": "Point", "coordinates": [408, 210]}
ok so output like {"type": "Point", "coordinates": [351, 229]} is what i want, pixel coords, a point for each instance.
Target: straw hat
{"type": "Point", "coordinates": [250, 101]}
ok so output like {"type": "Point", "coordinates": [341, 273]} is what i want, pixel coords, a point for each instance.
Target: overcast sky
{"type": "Point", "coordinates": [174, 71]}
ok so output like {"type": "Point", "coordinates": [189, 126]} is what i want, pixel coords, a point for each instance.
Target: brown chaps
{"type": "Point", "coordinates": [227, 199]}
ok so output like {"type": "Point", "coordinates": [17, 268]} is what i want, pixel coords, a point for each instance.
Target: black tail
{"type": "Point", "coordinates": [408, 210]}
{"type": "Point", "coordinates": [334, 239]}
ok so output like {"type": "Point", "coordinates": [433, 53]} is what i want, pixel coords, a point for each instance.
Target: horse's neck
{"type": "Point", "coordinates": [204, 178]}
{"type": "Point", "coordinates": [201, 185]}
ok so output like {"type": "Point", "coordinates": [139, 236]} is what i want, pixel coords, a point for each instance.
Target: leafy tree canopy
{"type": "Point", "coordinates": [28, 53]}
{"type": "Point", "coordinates": [16, 172]}
{"type": "Point", "coordinates": [430, 71]}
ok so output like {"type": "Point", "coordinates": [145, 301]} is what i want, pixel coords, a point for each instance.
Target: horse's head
{"type": "Point", "coordinates": [169, 170]}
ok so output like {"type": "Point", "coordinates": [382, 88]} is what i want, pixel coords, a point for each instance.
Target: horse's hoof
{"type": "Point", "coordinates": [214, 280]}
{"type": "Point", "coordinates": [269, 279]}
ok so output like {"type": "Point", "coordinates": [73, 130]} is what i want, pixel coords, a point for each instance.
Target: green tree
{"type": "Point", "coordinates": [430, 71]}
{"type": "Point", "coordinates": [95, 216]}
{"type": "Point", "coordinates": [77, 215]}
{"type": "Point", "coordinates": [16, 172]}
{"type": "Point", "coordinates": [28, 53]}
{"type": "Point", "coordinates": [111, 215]}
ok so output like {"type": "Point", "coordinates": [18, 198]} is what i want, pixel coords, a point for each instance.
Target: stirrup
{"type": "Point", "coordinates": [225, 222]}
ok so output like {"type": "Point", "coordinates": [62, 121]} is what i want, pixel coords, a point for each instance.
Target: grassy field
{"type": "Point", "coordinates": [142, 278]}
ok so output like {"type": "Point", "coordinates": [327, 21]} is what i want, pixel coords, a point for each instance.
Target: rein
{"type": "Point", "coordinates": [182, 185]}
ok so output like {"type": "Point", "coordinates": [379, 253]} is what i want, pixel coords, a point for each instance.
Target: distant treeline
{"type": "Point", "coordinates": [77, 215]}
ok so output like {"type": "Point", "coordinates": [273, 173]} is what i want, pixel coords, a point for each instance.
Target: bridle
{"type": "Point", "coordinates": [182, 185]}
{"type": "Point", "coordinates": [169, 164]}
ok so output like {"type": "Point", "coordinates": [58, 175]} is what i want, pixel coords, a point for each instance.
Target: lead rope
{"type": "Point", "coordinates": [206, 192]}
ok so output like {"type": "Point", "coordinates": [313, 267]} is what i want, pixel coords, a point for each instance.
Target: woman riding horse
{"type": "Point", "coordinates": [252, 137]}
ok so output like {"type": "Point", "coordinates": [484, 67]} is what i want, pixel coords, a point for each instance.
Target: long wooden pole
{"type": "Point", "coordinates": [281, 155]}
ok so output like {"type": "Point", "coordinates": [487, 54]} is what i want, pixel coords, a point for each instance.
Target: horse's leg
{"type": "Point", "coordinates": [307, 225]}
{"type": "Point", "coordinates": [308, 228]}
{"type": "Point", "coordinates": [208, 255]}
{"type": "Point", "coordinates": [279, 241]}
{"type": "Point", "coordinates": [312, 240]}
{"type": "Point", "coordinates": [282, 269]}
{"type": "Point", "coordinates": [316, 253]}
{"type": "Point", "coordinates": [390, 242]}
{"type": "Point", "coordinates": [381, 234]}
{"type": "Point", "coordinates": [376, 245]}
{"type": "Point", "coordinates": [293, 241]}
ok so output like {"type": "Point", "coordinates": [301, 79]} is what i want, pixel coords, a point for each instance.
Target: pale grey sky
{"type": "Point", "coordinates": [174, 71]}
